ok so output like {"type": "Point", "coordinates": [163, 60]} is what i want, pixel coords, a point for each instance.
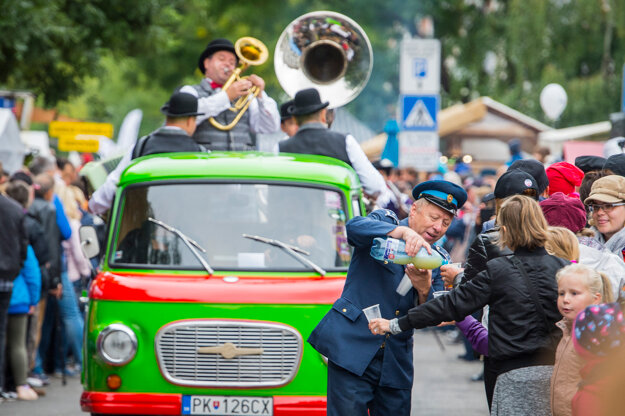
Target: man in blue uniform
{"type": "Point", "coordinates": [369, 373]}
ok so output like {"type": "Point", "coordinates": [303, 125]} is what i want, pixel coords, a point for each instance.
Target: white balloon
{"type": "Point", "coordinates": [553, 100]}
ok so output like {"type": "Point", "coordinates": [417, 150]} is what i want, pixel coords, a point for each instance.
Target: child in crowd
{"type": "Point", "coordinates": [579, 286]}
{"type": "Point", "coordinates": [562, 243]}
{"type": "Point", "coordinates": [598, 336]}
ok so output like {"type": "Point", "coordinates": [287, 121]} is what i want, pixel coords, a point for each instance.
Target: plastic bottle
{"type": "Point", "coordinates": [394, 251]}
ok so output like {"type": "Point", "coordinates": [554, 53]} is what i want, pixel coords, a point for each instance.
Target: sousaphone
{"type": "Point", "coordinates": [327, 51]}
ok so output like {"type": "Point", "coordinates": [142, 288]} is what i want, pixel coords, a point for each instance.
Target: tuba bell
{"type": "Point", "coordinates": [250, 51]}
{"type": "Point", "coordinates": [327, 51]}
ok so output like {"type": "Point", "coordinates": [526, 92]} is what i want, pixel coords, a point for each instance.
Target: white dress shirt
{"type": "Point", "coordinates": [263, 110]}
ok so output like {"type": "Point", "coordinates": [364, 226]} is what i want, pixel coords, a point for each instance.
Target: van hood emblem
{"type": "Point", "coordinates": [229, 350]}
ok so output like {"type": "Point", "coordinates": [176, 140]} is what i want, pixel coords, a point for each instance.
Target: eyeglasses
{"type": "Point", "coordinates": [604, 207]}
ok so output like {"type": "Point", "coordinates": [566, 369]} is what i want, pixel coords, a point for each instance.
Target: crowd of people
{"type": "Point", "coordinates": [539, 294]}
{"type": "Point", "coordinates": [43, 273]}
{"type": "Point", "coordinates": [542, 247]}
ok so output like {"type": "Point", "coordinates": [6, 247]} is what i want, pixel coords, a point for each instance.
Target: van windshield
{"type": "Point", "coordinates": [218, 215]}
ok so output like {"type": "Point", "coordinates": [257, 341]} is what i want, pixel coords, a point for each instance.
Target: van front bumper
{"type": "Point", "coordinates": [171, 404]}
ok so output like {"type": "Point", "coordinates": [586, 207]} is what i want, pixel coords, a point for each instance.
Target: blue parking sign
{"type": "Point", "coordinates": [420, 67]}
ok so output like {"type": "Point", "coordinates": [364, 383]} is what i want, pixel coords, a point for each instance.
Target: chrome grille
{"type": "Point", "coordinates": [180, 362]}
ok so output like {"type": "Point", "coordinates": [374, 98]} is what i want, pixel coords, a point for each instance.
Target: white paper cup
{"type": "Point", "coordinates": [404, 286]}
{"type": "Point", "coordinates": [372, 312]}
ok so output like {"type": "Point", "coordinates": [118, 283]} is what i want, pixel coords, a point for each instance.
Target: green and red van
{"type": "Point", "coordinates": [217, 268]}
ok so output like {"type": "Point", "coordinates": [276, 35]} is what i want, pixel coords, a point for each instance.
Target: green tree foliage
{"type": "Point", "coordinates": [579, 44]}
{"type": "Point", "coordinates": [106, 57]}
{"type": "Point", "coordinates": [50, 46]}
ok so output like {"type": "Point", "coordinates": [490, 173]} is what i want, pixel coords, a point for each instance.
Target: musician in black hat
{"type": "Point", "coordinates": [314, 137]}
{"type": "Point", "coordinates": [175, 136]}
{"type": "Point", "coordinates": [288, 124]}
{"type": "Point", "coordinates": [216, 63]}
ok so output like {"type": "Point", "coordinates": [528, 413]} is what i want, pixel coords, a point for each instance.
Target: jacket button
{"type": "Point", "coordinates": [397, 312]}
{"type": "Point", "coordinates": [388, 335]}
{"type": "Point", "coordinates": [344, 310]}
{"type": "Point", "coordinates": [383, 345]}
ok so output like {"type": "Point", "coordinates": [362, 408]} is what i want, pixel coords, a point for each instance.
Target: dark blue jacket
{"type": "Point", "coordinates": [343, 334]}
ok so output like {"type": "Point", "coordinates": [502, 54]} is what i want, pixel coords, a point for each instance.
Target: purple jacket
{"type": "Point", "coordinates": [476, 333]}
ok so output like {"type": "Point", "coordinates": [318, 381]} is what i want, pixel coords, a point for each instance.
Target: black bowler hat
{"type": "Point", "coordinates": [181, 104]}
{"type": "Point", "coordinates": [443, 194]}
{"type": "Point", "coordinates": [307, 102]}
{"type": "Point", "coordinates": [216, 45]}
{"type": "Point", "coordinates": [534, 168]}
{"type": "Point", "coordinates": [286, 110]}
{"type": "Point", "coordinates": [589, 163]}
{"type": "Point", "coordinates": [616, 163]}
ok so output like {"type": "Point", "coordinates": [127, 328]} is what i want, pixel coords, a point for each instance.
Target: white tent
{"type": "Point", "coordinates": [12, 149]}
{"type": "Point", "coordinates": [36, 142]}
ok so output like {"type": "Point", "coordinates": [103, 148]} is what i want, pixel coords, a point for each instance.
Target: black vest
{"type": "Point", "coordinates": [165, 141]}
{"type": "Point", "coordinates": [317, 141]}
{"type": "Point", "coordinates": [238, 138]}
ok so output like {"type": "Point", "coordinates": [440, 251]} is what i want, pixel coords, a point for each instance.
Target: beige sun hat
{"type": "Point", "coordinates": [609, 189]}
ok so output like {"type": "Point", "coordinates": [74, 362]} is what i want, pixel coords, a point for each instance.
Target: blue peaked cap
{"type": "Point", "coordinates": [444, 194]}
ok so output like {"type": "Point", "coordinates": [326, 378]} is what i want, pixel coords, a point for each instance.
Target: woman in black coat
{"type": "Point", "coordinates": [521, 291]}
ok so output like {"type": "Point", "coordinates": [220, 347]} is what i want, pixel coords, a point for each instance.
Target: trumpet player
{"type": "Point", "coordinates": [217, 62]}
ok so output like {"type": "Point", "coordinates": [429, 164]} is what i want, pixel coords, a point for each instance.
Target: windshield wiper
{"type": "Point", "coordinates": [189, 243]}
{"type": "Point", "coordinates": [294, 251]}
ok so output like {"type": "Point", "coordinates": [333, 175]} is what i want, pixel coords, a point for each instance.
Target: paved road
{"type": "Point", "coordinates": [59, 401]}
{"type": "Point", "coordinates": [442, 386]}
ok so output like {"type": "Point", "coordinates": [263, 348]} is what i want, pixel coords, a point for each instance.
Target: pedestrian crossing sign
{"type": "Point", "coordinates": [419, 112]}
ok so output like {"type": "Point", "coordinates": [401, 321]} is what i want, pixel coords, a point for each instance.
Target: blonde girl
{"type": "Point", "coordinates": [579, 286]}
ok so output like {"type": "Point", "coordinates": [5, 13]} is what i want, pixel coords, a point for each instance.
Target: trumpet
{"type": "Point", "coordinates": [250, 51]}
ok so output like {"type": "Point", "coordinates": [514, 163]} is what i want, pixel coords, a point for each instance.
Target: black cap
{"type": "Point", "coordinates": [534, 168]}
{"type": "Point", "coordinates": [384, 165]}
{"type": "Point", "coordinates": [307, 101]}
{"type": "Point", "coordinates": [589, 163]}
{"type": "Point", "coordinates": [515, 182]}
{"type": "Point", "coordinates": [616, 163]}
{"type": "Point", "coordinates": [181, 104]}
{"type": "Point", "coordinates": [286, 110]}
{"type": "Point", "coordinates": [443, 194]}
{"type": "Point", "coordinates": [216, 45]}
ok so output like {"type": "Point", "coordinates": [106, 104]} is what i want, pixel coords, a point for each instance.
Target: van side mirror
{"type": "Point", "coordinates": [89, 241]}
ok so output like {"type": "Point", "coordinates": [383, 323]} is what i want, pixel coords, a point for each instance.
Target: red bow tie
{"type": "Point", "coordinates": [215, 85]}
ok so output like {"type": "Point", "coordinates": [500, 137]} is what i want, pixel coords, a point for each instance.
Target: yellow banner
{"type": "Point", "coordinates": [84, 145]}
{"type": "Point", "coordinates": [72, 128]}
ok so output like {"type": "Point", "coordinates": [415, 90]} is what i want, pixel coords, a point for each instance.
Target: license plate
{"type": "Point", "coordinates": [227, 405]}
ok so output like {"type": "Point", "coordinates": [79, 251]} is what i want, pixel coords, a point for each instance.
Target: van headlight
{"type": "Point", "coordinates": [116, 344]}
